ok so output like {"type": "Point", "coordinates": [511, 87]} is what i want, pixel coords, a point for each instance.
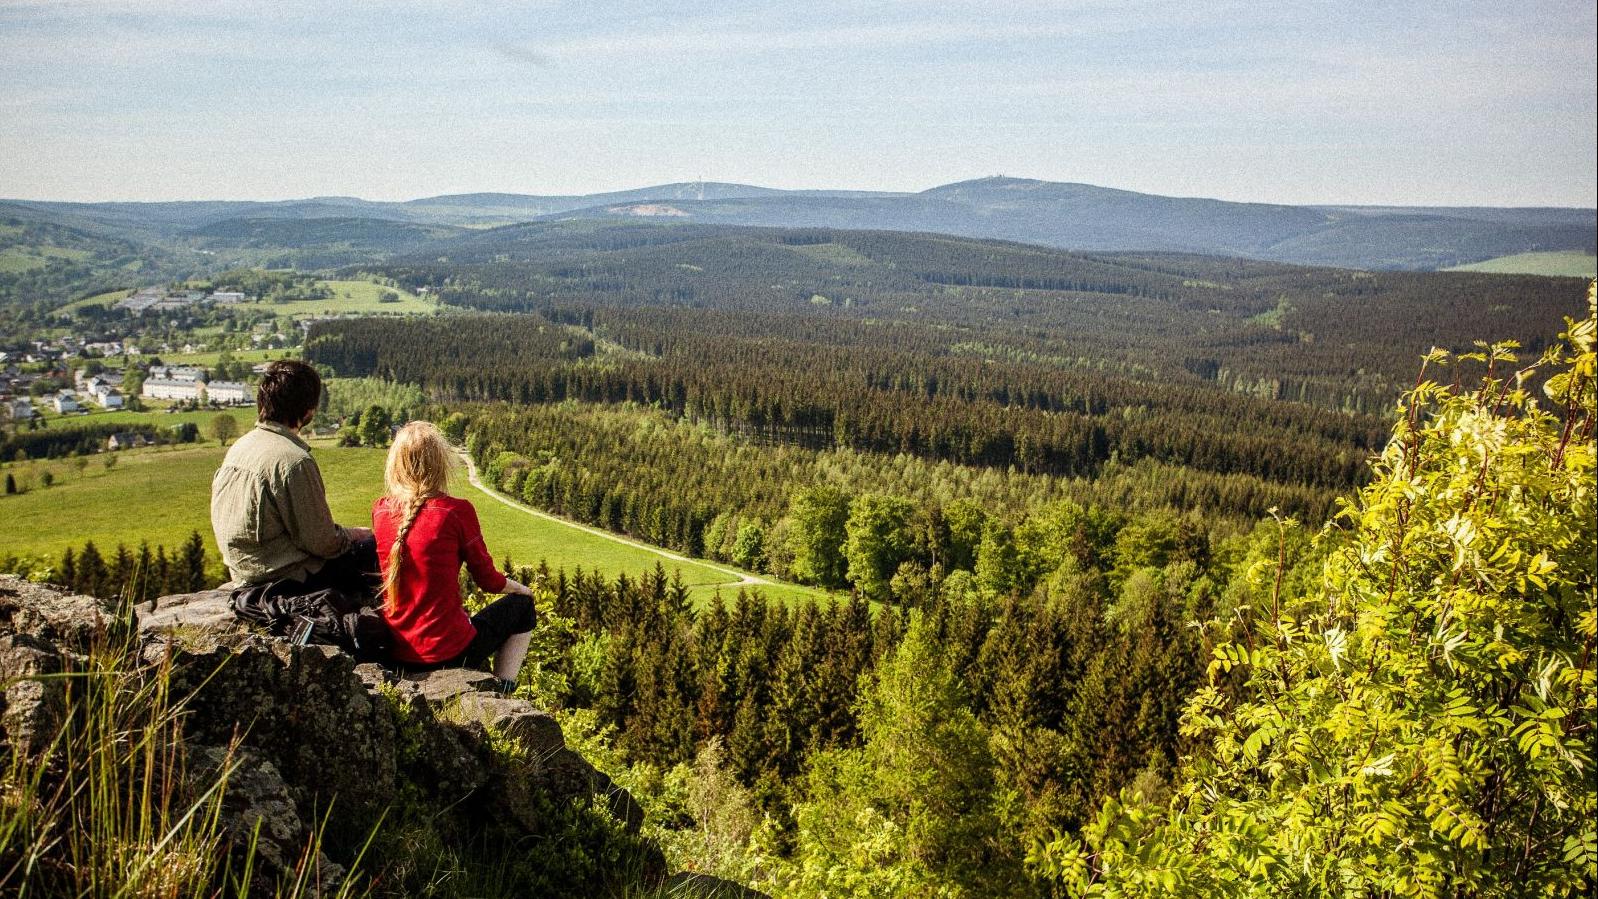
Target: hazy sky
{"type": "Point", "coordinates": [1300, 102]}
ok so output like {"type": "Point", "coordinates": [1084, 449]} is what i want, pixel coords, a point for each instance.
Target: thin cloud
{"type": "Point", "coordinates": [522, 54]}
{"type": "Point", "coordinates": [713, 39]}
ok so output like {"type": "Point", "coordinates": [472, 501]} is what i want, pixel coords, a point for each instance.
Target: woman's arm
{"type": "Point", "coordinates": [485, 574]}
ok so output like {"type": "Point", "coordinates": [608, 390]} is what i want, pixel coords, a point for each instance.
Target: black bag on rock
{"type": "Point", "coordinates": [328, 616]}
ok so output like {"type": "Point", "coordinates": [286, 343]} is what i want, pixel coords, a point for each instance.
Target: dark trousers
{"type": "Point", "coordinates": [355, 573]}
{"type": "Point", "coordinates": [502, 619]}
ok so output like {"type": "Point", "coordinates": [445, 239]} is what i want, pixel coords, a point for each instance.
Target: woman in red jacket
{"type": "Point", "coordinates": [428, 535]}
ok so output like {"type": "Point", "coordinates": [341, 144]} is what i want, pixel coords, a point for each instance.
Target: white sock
{"type": "Point", "coordinates": [508, 661]}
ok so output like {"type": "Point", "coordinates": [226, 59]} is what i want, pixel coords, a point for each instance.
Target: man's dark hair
{"type": "Point", "coordinates": [288, 392]}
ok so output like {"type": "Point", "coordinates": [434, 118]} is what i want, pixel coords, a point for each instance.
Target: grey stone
{"type": "Point", "coordinates": [516, 719]}
{"type": "Point", "coordinates": [206, 610]}
{"type": "Point", "coordinates": [258, 809]}
{"type": "Point", "coordinates": [439, 687]}
{"type": "Point", "coordinates": [34, 706]}
{"type": "Point", "coordinates": [624, 808]}
{"type": "Point", "coordinates": [70, 621]}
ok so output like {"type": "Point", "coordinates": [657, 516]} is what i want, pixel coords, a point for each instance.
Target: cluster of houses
{"type": "Point", "coordinates": [159, 299]}
{"type": "Point", "coordinates": [65, 348]}
{"type": "Point", "coordinates": [104, 389]}
{"type": "Point", "coordinates": [178, 383]}
{"type": "Point", "coordinates": [184, 382]}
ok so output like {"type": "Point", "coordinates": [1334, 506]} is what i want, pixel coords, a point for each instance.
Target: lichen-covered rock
{"type": "Point", "coordinates": [518, 720]}
{"type": "Point", "coordinates": [67, 621]}
{"type": "Point", "coordinates": [258, 809]}
{"type": "Point", "coordinates": [208, 610]}
{"type": "Point", "coordinates": [41, 630]}
{"type": "Point", "coordinates": [302, 708]}
{"type": "Point", "coordinates": [317, 741]}
{"type": "Point", "coordinates": [31, 707]}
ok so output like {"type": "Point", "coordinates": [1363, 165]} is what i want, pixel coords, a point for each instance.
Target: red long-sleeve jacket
{"type": "Point", "coordinates": [429, 620]}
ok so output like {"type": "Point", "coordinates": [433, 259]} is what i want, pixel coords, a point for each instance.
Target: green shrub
{"type": "Point", "coordinates": [1420, 722]}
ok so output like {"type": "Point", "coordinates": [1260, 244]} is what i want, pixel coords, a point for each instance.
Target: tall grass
{"type": "Point", "coordinates": [110, 807]}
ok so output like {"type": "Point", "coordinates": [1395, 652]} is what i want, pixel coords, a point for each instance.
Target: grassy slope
{"type": "Point", "coordinates": [351, 297]}
{"type": "Point", "coordinates": [348, 297]}
{"type": "Point", "coordinates": [1568, 264]}
{"type": "Point", "coordinates": [99, 299]}
{"type": "Point", "coordinates": [211, 358]}
{"type": "Point", "coordinates": [21, 259]}
{"type": "Point", "coordinates": [162, 494]}
{"type": "Point", "coordinates": [242, 416]}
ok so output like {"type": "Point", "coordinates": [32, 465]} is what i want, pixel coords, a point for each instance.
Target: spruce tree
{"type": "Point", "coordinates": [147, 579]}
{"type": "Point", "coordinates": [92, 575]}
{"type": "Point", "coordinates": [67, 572]}
{"type": "Point", "coordinates": [120, 576]}
{"type": "Point", "coordinates": [193, 564]}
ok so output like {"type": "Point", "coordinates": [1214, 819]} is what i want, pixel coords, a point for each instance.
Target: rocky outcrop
{"type": "Point", "coordinates": [42, 632]}
{"type": "Point", "coordinates": [310, 739]}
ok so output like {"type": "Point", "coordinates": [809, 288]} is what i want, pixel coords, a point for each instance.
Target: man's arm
{"type": "Point", "coordinates": [306, 516]}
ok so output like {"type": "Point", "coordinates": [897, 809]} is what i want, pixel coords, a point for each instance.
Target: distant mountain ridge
{"type": "Point", "coordinates": [1056, 214]}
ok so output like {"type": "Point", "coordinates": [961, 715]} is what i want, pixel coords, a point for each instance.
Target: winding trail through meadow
{"type": "Point", "coordinates": [738, 578]}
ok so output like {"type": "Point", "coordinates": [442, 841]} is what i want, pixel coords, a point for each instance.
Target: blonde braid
{"type": "Point", "coordinates": [396, 553]}
{"type": "Point", "coordinates": [418, 468]}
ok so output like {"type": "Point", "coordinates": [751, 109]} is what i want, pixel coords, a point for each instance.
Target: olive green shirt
{"type": "Point", "coordinates": [269, 509]}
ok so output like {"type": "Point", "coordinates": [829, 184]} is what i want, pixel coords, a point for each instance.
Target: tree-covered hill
{"type": "Point", "coordinates": [1066, 215]}
{"type": "Point", "coordinates": [318, 242]}
{"type": "Point", "coordinates": [1057, 696]}
{"type": "Point", "coordinates": [1328, 336]}
{"type": "Point", "coordinates": [1087, 217]}
{"type": "Point", "coordinates": [46, 261]}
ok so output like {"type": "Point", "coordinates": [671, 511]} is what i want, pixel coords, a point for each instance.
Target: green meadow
{"type": "Point", "coordinates": [99, 299]}
{"type": "Point", "coordinates": [162, 494]}
{"type": "Point", "coordinates": [1565, 264]}
{"type": "Point", "coordinates": [244, 417]}
{"type": "Point", "coordinates": [215, 356]}
{"type": "Point", "coordinates": [350, 298]}
{"type": "Point", "coordinates": [26, 258]}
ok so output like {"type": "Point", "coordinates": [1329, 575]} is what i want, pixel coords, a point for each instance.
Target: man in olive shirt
{"type": "Point", "coordinates": [268, 505]}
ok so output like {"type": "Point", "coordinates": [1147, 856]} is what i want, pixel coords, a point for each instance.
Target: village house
{"type": "Point", "coordinates": [177, 372]}
{"type": "Point", "coordinates": [229, 393]}
{"type": "Point", "coordinates": [90, 382]}
{"type": "Point", "coordinates": [65, 401]}
{"type": "Point", "coordinates": [128, 440]}
{"type": "Point", "coordinates": [227, 297]}
{"type": "Point", "coordinates": [142, 299]}
{"type": "Point", "coordinates": [107, 396]}
{"type": "Point", "coordinates": [20, 410]}
{"type": "Point", "coordinates": [171, 389]}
